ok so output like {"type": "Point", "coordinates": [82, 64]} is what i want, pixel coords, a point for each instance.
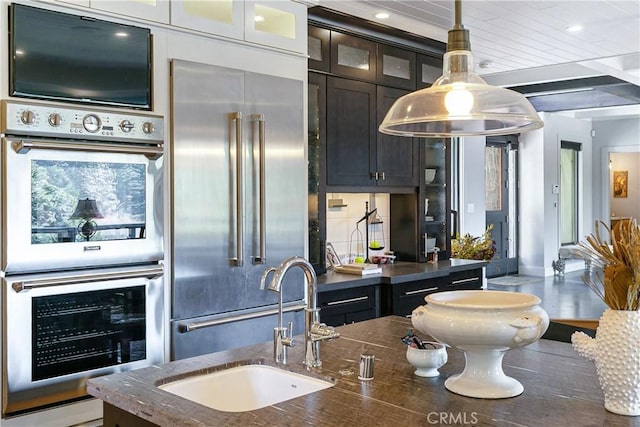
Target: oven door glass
{"type": "Point", "coordinates": [87, 330]}
{"type": "Point", "coordinates": [67, 209]}
{"type": "Point", "coordinates": [87, 201]}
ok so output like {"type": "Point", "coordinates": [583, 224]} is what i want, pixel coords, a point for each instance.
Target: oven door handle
{"type": "Point", "coordinates": [24, 146]}
{"type": "Point", "coordinates": [150, 273]}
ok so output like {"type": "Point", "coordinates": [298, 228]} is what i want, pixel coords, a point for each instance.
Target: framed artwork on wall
{"type": "Point", "coordinates": [620, 183]}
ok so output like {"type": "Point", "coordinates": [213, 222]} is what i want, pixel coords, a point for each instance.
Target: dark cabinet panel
{"type": "Point", "coordinates": [349, 305]}
{"type": "Point", "coordinates": [317, 96]}
{"type": "Point", "coordinates": [353, 57]}
{"type": "Point", "coordinates": [318, 45]}
{"type": "Point", "coordinates": [357, 154]}
{"type": "Point", "coordinates": [402, 298]}
{"type": "Point", "coordinates": [397, 157]}
{"type": "Point", "coordinates": [351, 132]}
{"type": "Point", "coordinates": [429, 68]}
{"type": "Point", "coordinates": [434, 201]}
{"type": "Point", "coordinates": [467, 279]}
{"type": "Point", "coordinates": [396, 67]}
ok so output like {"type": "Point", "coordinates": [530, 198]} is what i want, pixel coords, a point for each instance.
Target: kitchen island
{"type": "Point", "coordinates": [560, 388]}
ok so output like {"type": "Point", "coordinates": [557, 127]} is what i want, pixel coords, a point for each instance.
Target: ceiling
{"type": "Point", "coordinates": [525, 45]}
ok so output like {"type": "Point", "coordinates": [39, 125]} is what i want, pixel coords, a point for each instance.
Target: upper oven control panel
{"type": "Point", "coordinates": [50, 120]}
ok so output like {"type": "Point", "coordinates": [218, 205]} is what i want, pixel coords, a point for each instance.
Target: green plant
{"type": "Point", "coordinates": [470, 247]}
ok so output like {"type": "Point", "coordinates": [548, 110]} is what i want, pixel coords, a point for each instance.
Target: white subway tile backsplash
{"type": "Point", "coordinates": [341, 222]}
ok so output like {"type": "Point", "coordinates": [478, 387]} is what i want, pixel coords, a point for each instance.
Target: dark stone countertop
{"type": "Point", "coordinates": [560, 388]}
{"type": "Point", "coordinates": [400, 272]}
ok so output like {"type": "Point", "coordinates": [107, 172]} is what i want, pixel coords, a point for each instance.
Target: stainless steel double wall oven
{"type": "Point", "coordinates": [82, 245]}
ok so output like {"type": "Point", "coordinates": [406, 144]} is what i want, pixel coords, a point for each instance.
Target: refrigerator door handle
{"type": "Point", "coordinates": [236, 118]}
{"type": "Point", "coordinates": [261, 258]}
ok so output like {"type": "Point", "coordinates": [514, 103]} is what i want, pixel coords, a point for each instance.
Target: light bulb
{"type": "Point", "coordinates": [458, 101]}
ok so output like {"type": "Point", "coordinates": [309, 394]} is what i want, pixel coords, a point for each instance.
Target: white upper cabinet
{"type": "Point", "coordinates": [276, 23]}
{"type": "Point", "coordinates": [151, 10]}
{"type": "Point", "coordinates": [221, 17]}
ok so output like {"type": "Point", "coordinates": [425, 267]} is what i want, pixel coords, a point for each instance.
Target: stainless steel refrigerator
{"type": "Point", "coordinates": [238, 204]}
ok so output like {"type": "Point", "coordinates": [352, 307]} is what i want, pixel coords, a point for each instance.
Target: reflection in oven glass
{"type": "Point", "coordinates": [75, 201]}
{"type": "Point", "coordinates": [87, 330]}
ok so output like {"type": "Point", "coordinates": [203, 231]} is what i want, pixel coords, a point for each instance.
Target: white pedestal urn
{"type": "Point", "coordinates": [484, 325]}
{"type": "Point", "coordinates": [616, 353]}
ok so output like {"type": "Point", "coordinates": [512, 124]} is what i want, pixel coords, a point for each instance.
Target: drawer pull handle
{"type": "Point", "coordinates": [419, 291]}
{"type": "Point", "coordinates": [346, 301]}
{"type": "Point", "coordinates": [471, 279]}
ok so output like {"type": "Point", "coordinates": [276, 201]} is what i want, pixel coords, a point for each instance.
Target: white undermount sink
{"type": "Point", "coordinates": [245, 388]}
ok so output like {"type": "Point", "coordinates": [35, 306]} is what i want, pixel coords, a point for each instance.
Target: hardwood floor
{"type": "Point", "coordinates": [563, 297]}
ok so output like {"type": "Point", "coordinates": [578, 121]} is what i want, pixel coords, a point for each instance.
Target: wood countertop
{"type": "Point", "coordinates": [560, 388]}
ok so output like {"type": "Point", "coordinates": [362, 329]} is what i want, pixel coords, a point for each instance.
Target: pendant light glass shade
{"type": "Point", "coordinates": [460, 103]}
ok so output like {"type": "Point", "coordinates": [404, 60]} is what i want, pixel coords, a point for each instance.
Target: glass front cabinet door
{"type": "Point", "coordinates": [434, 203]}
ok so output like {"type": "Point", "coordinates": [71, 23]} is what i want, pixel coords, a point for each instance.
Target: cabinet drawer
{"type": "Point", "coordinates": [347, 301]}
{"type": "Point", "coordinates": [411, 295]}
{"type": "Point", "coordinates": [468, 279]}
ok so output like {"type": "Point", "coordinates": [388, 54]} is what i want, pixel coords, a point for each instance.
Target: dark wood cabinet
{"type": "Point", "coordinates": [318, 47]}
{"type": "Point", "coordinates": [429, 68]}
{"type": "Point", "coordinates": [351, 132]}
{"type": "Point", "coordinates": [396, 67]}
{"type": "Point", "coordinates": [353, 57]}
{"type": "Point", "coordinates": [467, 279]}
{"type": "Point", "coordinates": [349, 305]}
{"type": "Point", "coordinates": [402, 298]}
{"type": "Point", "coordinates": [357, 154]}
{"type": "Point", "coordinates": [434, 204]}
{"type": "Point", "coordinates": [397, 157]}
{"type": "Point", "coordinates": [316, 143]}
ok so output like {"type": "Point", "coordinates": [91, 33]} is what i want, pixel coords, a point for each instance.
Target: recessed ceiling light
{"type": "Point", "coordinates": [573, 28]}
{"type": "Point", "coordinates": [259, 18]}
{"type": "Point", "coordinates": [485, 64]}
{"type": "Point", "coordinates": [382, 15]}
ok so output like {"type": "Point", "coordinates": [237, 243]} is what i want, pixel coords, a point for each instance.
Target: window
{"type": "Point", "coordinates": [569, 181]}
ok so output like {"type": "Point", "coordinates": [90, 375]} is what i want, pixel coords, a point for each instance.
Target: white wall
{"type": "Point", "coordinates": [628, 206]}
{"type": "Point", "coordinates": [473, 217]}
{"type": "Point", "coordinates": [539, 172]}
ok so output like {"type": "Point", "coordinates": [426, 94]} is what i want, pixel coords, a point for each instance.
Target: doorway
{"type": "Point", "coordinates": [501, 161]}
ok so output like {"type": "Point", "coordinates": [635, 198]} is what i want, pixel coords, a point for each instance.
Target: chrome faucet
{"type": "Point", "coordinates": [314, 331]}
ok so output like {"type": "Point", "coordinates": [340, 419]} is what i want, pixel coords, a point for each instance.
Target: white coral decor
{"type": "Point", "coordinates": [616, 353]}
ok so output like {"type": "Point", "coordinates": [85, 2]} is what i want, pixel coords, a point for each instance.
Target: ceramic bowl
{"type": "Point", "coordinates": [484, 325]}
{"type": "Point", "coordinates": [428, 360]}
{"type": "Point", "coordinates": [429, 175]}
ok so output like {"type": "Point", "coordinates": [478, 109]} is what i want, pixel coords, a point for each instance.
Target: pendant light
{"type": "Point", "coordinates": [460, 103]}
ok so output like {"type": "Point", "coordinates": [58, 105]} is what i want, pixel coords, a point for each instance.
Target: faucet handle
{"type": "Point", "coordinates": [287, 338]}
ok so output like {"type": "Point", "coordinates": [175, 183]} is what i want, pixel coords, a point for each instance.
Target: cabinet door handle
{"type": "Point", "coordinates": [346, 301]}
{"type": "Point", "coordinates": [419, 291]}
{"type": "Point", "coordinates": [237, 119]}
{"type": "Point", "coordinates": [261, 258]}
{"type": "Point", "coordinates": [471, 279]}
{"type": "Point", "coordinates": [382, 175]}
